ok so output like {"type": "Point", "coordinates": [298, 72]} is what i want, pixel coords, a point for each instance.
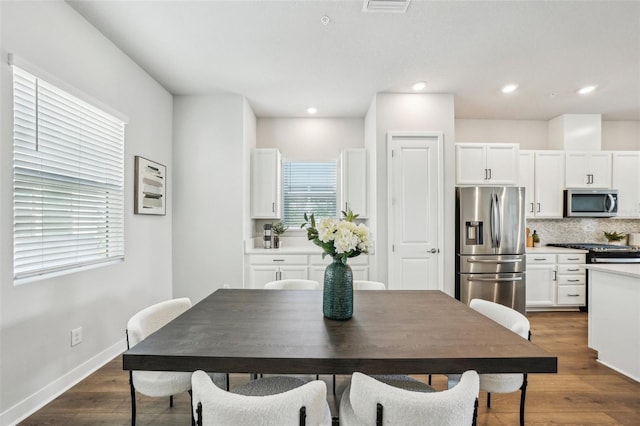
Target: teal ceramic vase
{"type": "Point", "coordinates": [337, 300]}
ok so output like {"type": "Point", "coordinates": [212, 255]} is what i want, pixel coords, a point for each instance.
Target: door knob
{"type": "Point", "coordinates": [433, 250]}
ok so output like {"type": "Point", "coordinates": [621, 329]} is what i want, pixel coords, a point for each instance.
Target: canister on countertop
{"type": "Point", "coordinates": [266, 235]}
{"type": "Point", "coordinates": [633, 239]}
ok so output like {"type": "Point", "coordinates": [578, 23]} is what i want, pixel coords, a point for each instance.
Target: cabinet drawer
{"type": "Point", "coordinates": [535, 259]}
{"type": "Point", "coordinates": [572, 258]}
{"type": "Point", "coordinates": [274, 259]}
{"type": "Point", "coordinates": [571, 295]}
{"type": "Point", "coordinates": [571, 279]}
{"type": "Point", "coordinates": [570, 269]}
{"type": "Point", "coordinates": [317, 259]}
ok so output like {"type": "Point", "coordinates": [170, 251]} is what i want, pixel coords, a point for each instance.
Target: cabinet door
{"type": "Point", "coordinates": [526, 178]}
{"type": "Point", "coordinates": [265, 184]}
{"type": "Point", "coordinates": [541, 286]}
{"type": "Point", "coordinates": [260, 275]}
{"type": "Point", "coordinates": [600, 169]}
{"type": "Point", "coordinates": [549, 173]}
{"type": "Point", "coordinates": [471, 162]}
{"type": "Point", "coordinates": [502, 163]}
{"type": "Point", "coordinates": [576, 175]}
{"type": "Point", "coordinates": [626, 179]}
{"type": "Point", "coordinates": [293, 272]}
{"type": "Point", "coordinates": [354, 176]}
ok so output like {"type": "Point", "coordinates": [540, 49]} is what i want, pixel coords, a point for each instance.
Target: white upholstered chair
{"type": "Point", "coordinates": [368, 285]}
{"type": "Point", "coordinates": [502, 383]}
{"type": "Point", "coordinates": [368, 402]}
{"type": "Point", "coordinates": [293, 284]}
{"type": "Point", "coordinates": [272, 401]}
{"type": "Point", "coordinates": [158, 383]}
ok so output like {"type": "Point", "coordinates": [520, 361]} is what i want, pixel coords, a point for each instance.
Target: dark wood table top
{"type": "Point", "coordinates": [284, 331]}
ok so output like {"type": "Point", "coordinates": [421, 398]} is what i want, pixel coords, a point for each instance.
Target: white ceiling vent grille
{"type": "Point", "coordinates": [395, 6]}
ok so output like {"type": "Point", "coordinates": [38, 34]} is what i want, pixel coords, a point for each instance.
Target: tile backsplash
{"type": "Point", "coordinates": [575, 230]}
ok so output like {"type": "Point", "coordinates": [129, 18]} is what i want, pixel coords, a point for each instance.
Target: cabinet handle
{"type": "Point", "coordinates": [486, 175]}
{"type": "Point", "coordinates": [573, 270]}
{"type": "Point", "coordinates": [538, 207]}
{"type": "Point", "coordinates": [273, 207]}
{"type": "Point", "coordinates": [346, 207]}
{"type": "Point", "coordinates": [278, 260]}
{"type": "Point", "coordinates": [539, 258]}
{"type": "Point", "coordinates": [573, 258]}
{"type": "Point", "coordinates": [573, 295]}
{"type": "Point", "coordinates": [573, 281]}
{"type": "Point", "coordinates": [490, 174]}
{"type": "Point", "coordinates": [531, 207]}
{"type": "Point", "coordinates": [555, 275]}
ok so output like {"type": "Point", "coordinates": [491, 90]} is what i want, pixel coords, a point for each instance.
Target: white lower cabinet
{"type": "Point", "coordinates": [555, 280]}
{"type": "Point", "coordinates": [541, 280]}
{"type": "Point", "coordinates": [572, 280]}
{"type": "Point", "coordinates": [267, 267]}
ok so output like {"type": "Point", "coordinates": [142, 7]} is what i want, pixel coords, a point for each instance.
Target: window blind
{"type": "Point", "coordinates": [309, 188]}
{"type": "Point", "coordinates": [68, 180]}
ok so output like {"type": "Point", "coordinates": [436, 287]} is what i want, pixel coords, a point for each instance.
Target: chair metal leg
{"type": "Point", "coordinates": [133, 399]}
{"type": "Point", "coordinates": [227, 379]}
{"type": "Point", "coordinates": [523, 394]}
{"type": "Point", "coordinates": [429, 380]}
{"type": "Point", "coordinates": [334, 384]}
{"type": "Point", "coordinates": [475, 413]}
{"type": "Point", "coordinates": [488, 399]}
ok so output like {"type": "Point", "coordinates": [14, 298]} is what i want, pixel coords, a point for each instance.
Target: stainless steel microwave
{"type": "Point", "coordinates": [590, 202]}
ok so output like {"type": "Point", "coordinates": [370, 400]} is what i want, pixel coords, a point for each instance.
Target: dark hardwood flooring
{"type": "Point", "coordinates": [582, 393]}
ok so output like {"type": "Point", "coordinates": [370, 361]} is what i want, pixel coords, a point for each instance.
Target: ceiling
{"type": "Point", "coordinates": [283, 58]}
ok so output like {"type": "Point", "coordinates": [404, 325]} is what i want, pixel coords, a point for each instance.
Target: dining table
{"type": "Point", "coordinates": [285, 332]}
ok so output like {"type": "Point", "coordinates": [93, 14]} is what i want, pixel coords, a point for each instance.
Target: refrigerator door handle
{"type": "Point", "coordinates": [494, 261]}
{"type": "Point", "coordinates": [495, 221]}
{"type": "Point", "coordinates": [494, 280]}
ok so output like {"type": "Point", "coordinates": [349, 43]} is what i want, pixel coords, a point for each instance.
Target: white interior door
{"type": "Point", "coordinates": [415, 210]}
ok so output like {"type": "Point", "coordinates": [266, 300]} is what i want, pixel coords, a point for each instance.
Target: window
{"type": "Point", "coordinates": [68, 181]}
{"type": "Point", "coordinates": [309, 188]}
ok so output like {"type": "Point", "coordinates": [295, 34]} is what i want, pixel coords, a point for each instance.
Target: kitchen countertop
{"type": "Point", "coordinates": [284, 250]}
{"type": "Point", "coordinates": [626, 269]}
{"type": "Point", "coordinates": [553, 250]}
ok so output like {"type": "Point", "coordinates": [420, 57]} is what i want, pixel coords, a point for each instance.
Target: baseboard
{"type": "Point", "coordinates": [33, 403]}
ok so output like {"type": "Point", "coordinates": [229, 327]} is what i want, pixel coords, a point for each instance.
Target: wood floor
{"type": "Point", "coordinates": [582, 393]}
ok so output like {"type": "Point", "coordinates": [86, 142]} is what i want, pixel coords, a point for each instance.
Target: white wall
{"type": "Point", "coordinates": [210, 184]}
{"type": "Point", "coordinates": [37, 361]}
{"type": "Point", "coordinates": [414, 112]}
{"type": "Point", "coordinates": [310, 139]}
{"type": "Point", "coordinates": [532, 134]}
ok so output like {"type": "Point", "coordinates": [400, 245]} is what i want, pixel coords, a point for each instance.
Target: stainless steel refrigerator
{"type": "Point", "coordinates": [490, 245]}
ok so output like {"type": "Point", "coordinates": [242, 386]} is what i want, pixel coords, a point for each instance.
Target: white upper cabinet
{"type": "Point", "coordinates": [626, 179]}
{"type": "Point", "coordinates": [487, 164]}
{"type": "Point", "coordinates": [542, 173]}
{"type": "Point", "coordinates": [548, 191]}
{"type": "Point", "coordinates": [266, 184]}
{"type": "Point", "coordinates": [587, 169]}
{"type": "Point", "coordinates": [354, 177]}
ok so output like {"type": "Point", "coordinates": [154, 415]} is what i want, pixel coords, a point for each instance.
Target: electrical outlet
{"type": "Point", "coordinates": [76, 336]}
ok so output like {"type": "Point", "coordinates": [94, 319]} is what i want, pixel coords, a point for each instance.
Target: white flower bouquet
{"type": "Point", "coordinates": [340, 239]}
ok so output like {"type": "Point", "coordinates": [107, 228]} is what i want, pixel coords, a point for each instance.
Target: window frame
{"type": "Point", "coordinates": [336, 167]}
{"type": "Point", "coordinates": [96, 187]}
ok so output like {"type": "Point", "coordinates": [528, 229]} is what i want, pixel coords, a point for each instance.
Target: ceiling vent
{"type": "Point", "coordinates": [392, 6]}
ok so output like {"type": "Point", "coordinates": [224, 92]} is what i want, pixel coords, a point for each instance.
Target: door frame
{"type": "Point", "coordinates": [427, 135]}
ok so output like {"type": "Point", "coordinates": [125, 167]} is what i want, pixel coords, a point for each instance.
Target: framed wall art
{"type": "Point", "coordinates": [150, 187]}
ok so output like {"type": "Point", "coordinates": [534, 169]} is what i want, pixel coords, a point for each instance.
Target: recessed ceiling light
{"type": "Point", "coordinates": [325, 20]}
{"type": "Point", "coordinates": [509, 88]}
{"type": "Point", "coordinates": [587, 89]}
{"type": "Point", "coordinates": [312, 110]}
{"type": "Point", "coordinates": [419, 86]}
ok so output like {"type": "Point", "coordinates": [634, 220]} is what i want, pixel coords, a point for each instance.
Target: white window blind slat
{"type": "Point", "coordinates": [309, 188]}
{"type": "Point", "coordinates": [68, 171]}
